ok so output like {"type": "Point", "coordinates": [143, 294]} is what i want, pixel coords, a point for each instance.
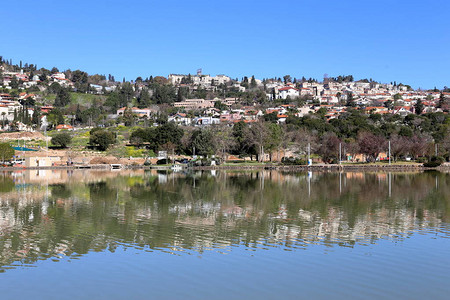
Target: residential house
{"type": "Point", "coordinates": [285, 92]}
{"type": "Point", "coordinates": [180, 118]}
{"type": "Point", "coordinates": [205, 121]}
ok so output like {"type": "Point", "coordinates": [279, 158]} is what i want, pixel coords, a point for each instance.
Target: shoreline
{"type": "Point", "coordinates": [321, 167]}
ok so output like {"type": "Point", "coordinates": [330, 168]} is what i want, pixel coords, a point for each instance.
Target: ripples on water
{"type": "Point", "coordinates": [63, 215]}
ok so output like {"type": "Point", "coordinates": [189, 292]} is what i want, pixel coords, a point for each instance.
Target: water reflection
{"type": "Point", "coordinates": [54, 214]}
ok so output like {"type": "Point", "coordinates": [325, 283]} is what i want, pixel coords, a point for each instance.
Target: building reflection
{"type": "Point", "coordinates": [70, 213]}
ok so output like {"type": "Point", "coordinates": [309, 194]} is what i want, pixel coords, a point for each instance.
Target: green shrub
{"type": "Point", "coordinates": [293, 161]}
{"type": "Point", "coordinates": [433, 162]}
{"type": "Point", "coordinates": [62, 139]}
{"type": "Point", "coordinates": [6, 151]}
{"type": "Point", "coordinates": [163, 161]}
{"type": "Point", "coordinates": [101, 138]}
{"type": "Point", "coordinates": [131, 151]}
{"type": "Point", "coordinates": [421, 160]}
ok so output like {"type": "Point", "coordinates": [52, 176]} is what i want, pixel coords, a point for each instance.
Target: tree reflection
{"type": "Point", "coordinates": [176, 212]}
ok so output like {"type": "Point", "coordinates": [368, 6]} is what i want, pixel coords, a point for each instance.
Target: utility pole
{"type": "Point", "coordinates": [389, 152]}
{"type": "Point", "coordinates": [309, 153]}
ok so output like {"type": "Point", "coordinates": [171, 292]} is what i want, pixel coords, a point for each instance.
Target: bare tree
{"type": "Point", "coordinates": [329, 148]}
{"type": "Point", "coordinates": [299, 140]}
{"type": "Point", "coordinates": [223, 138]}
{"type": "Point", "coordinates": [399, 146]}
{"type": "Point", "coordinates": [352, 147]}
{"type": "Point", "coordinates": [446, 142]}
{"type": "Point", "coordinates": [371, 145]}
{"type": "Point", "coordinates": [419, 145]}
{"type": "Point", "coordinates": [256, 136]}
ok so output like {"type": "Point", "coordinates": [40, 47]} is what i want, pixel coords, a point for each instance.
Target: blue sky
{"type": "Point", "coordinates": [387, 40]}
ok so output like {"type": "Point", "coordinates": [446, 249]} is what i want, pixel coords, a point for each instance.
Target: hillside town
{"type": "Point", "coordinates": [286, 112]}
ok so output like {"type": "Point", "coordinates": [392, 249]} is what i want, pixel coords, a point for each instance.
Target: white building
{"type": "Point", "coordinates": [288, 91]}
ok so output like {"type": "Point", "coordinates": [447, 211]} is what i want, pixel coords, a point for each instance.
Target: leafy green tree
{"type": "Point", "coordinates": [253, 83]}
{"type": "Point", "coordinates": [55, 117]}
{"type": "Point", "coordinates": [238, 133]}
{"type": "Point", "coordinates": [200, 93]}
{"type": "Point", "coordinates": [79, 116]}
{"type": "Point", "coordinates": [419, 107]}
{"type": "Point", "coordinates": [79, 76]}
{"type": "Point", "coordinates": [62, 98]}
{"type": "Point", "coordinates": [36, 119]}
{"type": "Point", "coordinates": [350, 100]}
{"type": "Point", "coordinates": [28, 102]}
{"type": "Point", "coordinates": [389, 104]}
{"type": "Point", "coordinates": [101, 138]}
{"type": "Point", "coordinates": [6, 151]}
{"type": "Point", "coordinates": [129, 118]}
{"type": "Point", "coordinates": [272, 117]}
{"type": "Point", "coordinates": [441, 101]}
{"type": "Point", "coordinates": [397, 97]}
{"type": "Point", "coordinates": [244, 82]}
{"type": "Point", "coordinates": [54, 88]}
{"type": "Point", "coordinates": [126, 94]}
{"type": "Point", "coordinates": [275, 138]}
{"type": "Point", "coordinates": [144, 99]}
{"type": "Point", "coordinates": [158, 136]}
{"type": "Point", "coordinates": [183, 93]}
{"type": "Point", "coordinates": [203, 142]}
{"type": "Point", "coordinates": [163, 93]}
{"type": "Point", "coordinates": [62, 139]}
{"type": "Point", "coordinates": [113, 101]}
{"type": "Point", "coordinates": [14, 83]}
{"type": "Point", "coordinates": [220, 105]}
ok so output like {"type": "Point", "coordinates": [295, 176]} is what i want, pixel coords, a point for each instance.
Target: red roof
{"type": "Point", "coordinates": [63, 126]}
{"type": "Point", "coordinates": [287, 88]}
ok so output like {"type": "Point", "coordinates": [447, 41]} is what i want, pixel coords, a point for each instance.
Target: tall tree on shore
{"type": "Point", "coordinates": [329, 147]}
{"type": "Point", "coordinates": [6, 151]}
{"type": "Point", "coordinates": [257, 136]}
{"type": "Point", "coordinates": [371, 145]}
{"type": "Point", "coordinates": [203, 142]}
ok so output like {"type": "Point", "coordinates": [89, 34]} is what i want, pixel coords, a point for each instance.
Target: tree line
{"type": "Point", "coordinates": [350, 134]}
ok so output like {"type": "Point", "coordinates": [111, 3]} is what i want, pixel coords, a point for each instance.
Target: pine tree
{"type": "Point", "coordinates": [62, 98]}
{"type": "Point", "coordinates": [253, 82]}
{"type": "Point", "coordinates": [419, 107]}
{"type": "Point", "coordinates": [78, 115]}
{"type": "Point", "coordinates": [36, 119]}
{"type": "Point", "coordinates": [441, 101]}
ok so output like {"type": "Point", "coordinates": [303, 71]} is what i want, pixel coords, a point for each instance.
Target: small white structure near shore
{"type": "Point", "coordinates": [41, 161]}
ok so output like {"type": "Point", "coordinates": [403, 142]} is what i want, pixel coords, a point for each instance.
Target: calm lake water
{"type": "Point", "coordinates": [224, 235]}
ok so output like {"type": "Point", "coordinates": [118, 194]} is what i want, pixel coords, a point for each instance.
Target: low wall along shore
{"type": "Point", "coordinates": [317, 167]}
